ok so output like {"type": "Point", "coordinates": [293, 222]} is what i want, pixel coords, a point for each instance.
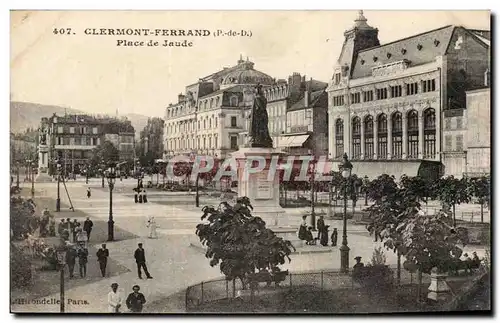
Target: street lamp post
{"type": "Point", "coordinates": [111, 176]}
{"type": "Point", "coordinates": [345, 168]}
{"type": "Point", "coordinates": [61, 259]}
{"type": "Point", "coordinates": [102, 173]}
{"type": "Point", "coordinates": [313, 214]}
{"type": "Point", "coordinates": [365, 187]}
{"type": "Point", "coordinates": [32, 179]}
{"type": "Point", "coordinates": [58, 200]}
{"type": "Point", "coordinates": [17, 173]}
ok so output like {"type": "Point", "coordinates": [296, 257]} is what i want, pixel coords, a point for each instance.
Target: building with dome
{"type": "Point", "coordinates": [210, 116]}
{"type": "Point", "coordinates": [387, 103]}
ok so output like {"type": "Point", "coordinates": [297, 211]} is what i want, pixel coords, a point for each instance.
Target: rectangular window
{"type": "Point", "coordinates": [412, 88]}
{"type": "Point", "coordinates": [459, 123]}
{"type": "Point", "coordinates": [369, 148]}
{"type": "Point", "coordinates": [396, 91]}
{"type": "Point", "coordinates": [356, 148]}
{"type": "Point", "coordinates": [447, 143]}
{"type": "Point", "coordinates": [382, 147]}
{"type": "Point", "coordinates": [59, 140]}
{"type": "Point", "coordinates": [367, 96]}
{"type": "Point", "coordinates": [233, 122]}
{"type": "Point", "coordinates": [355, 97]}
{"type": "Point", "coordinates": [447, 123]}
{"type": "Point", "coordinates": [71, 129]}
{"type": "Point", "coordinates": [413, 146]}
{"type": "Point", "coordinates": [428, 85]}
{"type": "Point", "coordinates": [459, 143]}
{"type": "Point", "coordinates": [397, 146]}
{"type": "Point", "coordinates": [84, 141]}
{"type": "Point", "coordinates": [382, 94]}
{"type": "Point", "coordinates": [98, 141]}
{"type": "Point", "coordinates": [430, 145]}
{"type": "Point", "coordinates": [337, 78]}
{"type": "Point", "coordinates": [338, 100]}
{"type": "Point", "coordinates": [72, 141]}
{"type": "Point", "coordinates": [234, 142]}
{"type": "Point", "coordinates": [59, 129]}
{"type": "Point", "coordinates": [94, 130]}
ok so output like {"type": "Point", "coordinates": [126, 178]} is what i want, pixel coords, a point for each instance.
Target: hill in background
{"type": "Point", "coordinates": [25, 115]}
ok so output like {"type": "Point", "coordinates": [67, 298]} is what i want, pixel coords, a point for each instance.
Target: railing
{"type": "Point", "coordinates": [219, 289]}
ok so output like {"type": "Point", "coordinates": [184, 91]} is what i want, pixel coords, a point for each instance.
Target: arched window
{"type": "Point", "coordinates": [412, 134]}
{"type": "Point", "coordinates": [215, 142]}
{"type": "Point", "coordinates": [369, 151]}
{"type": "Point", "coordinates": [204, 124]}
{"type": "Point", "coordinates": [430, 133]}
{"type": "Point", "coordinates": [210, 123]}
{"type": "Point", "coordinates": [217, 101]}
{"type": "Point", "coordinates": [216, 122]}
{"type": "Point", "coordinates": [397, 135]}
{"type": "Point", "coordinates": [339, 138]}
{"type": "Point", "coordinates": [382, 136]}
{"type": "Point", "coordinates": [205, 105]}
{"type": "Point", "coordinates": [234, 101]}
{"type": "Point", "coordinates": [356, 138]}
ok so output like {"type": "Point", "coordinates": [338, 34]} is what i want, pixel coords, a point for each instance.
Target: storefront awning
{"type": "Point", "coordinates": [291, 141]}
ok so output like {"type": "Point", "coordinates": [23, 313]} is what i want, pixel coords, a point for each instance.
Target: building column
{"type": "Point", "coordinates": [347, 134]}
{"type": "Point", "coordinates": [362, 138]}
{"type": "Point", "coordinates": [389, 137]}
{"type": "Point", "coordinates": [420, 135]}
{"type": "Point", "coordinates": [405, 135]}
{"type": "Point", "coordinates": [375, 138]}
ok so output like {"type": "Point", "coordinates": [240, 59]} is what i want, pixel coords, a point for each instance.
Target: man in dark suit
{"type": "Point", "coordinates": [140, 259]}
{"type": "Point", "coordinates": [135, 300]}
{"type": "Point", "coordinates": [320, 224]}
{"type": "Point", "coordinates": [87, 227]}
{"type": "Point", "coordinates": [102, 258]}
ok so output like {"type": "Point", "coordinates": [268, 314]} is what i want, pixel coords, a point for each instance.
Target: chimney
{"type": "Point", "coordinates": [294, 82]}
{"type": "Point", "coordinates": [487, 77]}
{"type": "Point", "coordinates": [307, 94]}
{"type": "Point", "coordinates": [181, 97]}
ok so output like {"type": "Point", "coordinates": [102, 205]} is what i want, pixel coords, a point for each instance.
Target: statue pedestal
{"type": "Point", "coordinates": [43, 165]}
{"type": "Point", "coordinates": [259, 187]}
{"type": "Point", "coordinates": [438, 289]}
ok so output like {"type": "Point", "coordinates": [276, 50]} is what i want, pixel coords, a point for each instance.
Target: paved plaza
{"type": "Point", "coordinates": [171, 259]}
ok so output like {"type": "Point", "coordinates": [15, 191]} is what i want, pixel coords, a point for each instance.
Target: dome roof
{"type": "Point", "coordinates": [245, 74]}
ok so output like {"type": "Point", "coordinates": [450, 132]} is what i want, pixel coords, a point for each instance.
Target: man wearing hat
{"type": "Point", "coordinates": [358, 263]}
{"type": "Point", "coordinates": [135, 300]}
{"type": "Point", "coordinates": [356, 269]}
{"type": "Point", "coordinates": [114, 299]}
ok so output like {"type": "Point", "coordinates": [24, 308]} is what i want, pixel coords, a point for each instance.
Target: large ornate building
{"type": "Point", "coordinates": [387, 101]}
{"type": "Point", "coordinates": [211, 117]}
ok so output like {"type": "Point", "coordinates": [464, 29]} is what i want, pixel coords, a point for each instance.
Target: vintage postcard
{"type": "Point", "coordinates": [250, 161]}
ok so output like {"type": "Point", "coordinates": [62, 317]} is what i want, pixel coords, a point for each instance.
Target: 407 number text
{"type": "Point", "coordinates": [62, 31]}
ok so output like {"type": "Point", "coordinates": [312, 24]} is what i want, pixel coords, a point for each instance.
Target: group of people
{"type": "Point", "coordinates": [306, 232]}
{"type": "Point", "coordinates": [135, 300]}
{"type": "Point", "coordinates": [75, 230]}
{"type": "Point", "coordinates": [47, 224]}
{"type": "Point", "coordinates": [81, 252]}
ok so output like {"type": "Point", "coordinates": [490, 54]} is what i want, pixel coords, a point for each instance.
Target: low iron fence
{"type": "Point", "coordinates": [219, 289]}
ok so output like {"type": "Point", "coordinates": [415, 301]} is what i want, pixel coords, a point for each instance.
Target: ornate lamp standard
{"type": "Point", "coordinates": [312, 182]}
{"type": "Point", "coordinates": [58, 171]}
{"type": "Point", "coordinates": [61, 259]}
{"type": "Point", "coordinates": [345, 168]}
{"type": "Point", "coordinates": [17, 173]}
{"type": "Point", "coordinates": [103, 165]}
{"type": "Point", "coordinates": [32, 165]}
{"type": "Point", "coordinates": [111, 176]}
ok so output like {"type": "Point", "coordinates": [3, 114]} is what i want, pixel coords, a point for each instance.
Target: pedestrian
{"type": "Point", "coordinates": [81, 237]}
{"type": "Point", "coordinates": [319, 225]}
{"type": "Point", "coordinates": [102, 258]}
{"type": "Point", "coordinates": [89, 194]}
{"type": "Point", "coordinates": [152, 228]}
{"type": "Point", "coordinates": [334, 237]}
{"type": "Point", "coordinates": [309, 237]}
{"type": "Point", "coordinates": [65, 234]}
{"type": "Point", "coordinates": [140, 259]}
{"type": "Point", "coordinates": [87, 227]}
{"type": "Point", "coordinates": [144, 196]}
{"type": "Point", "coordinates": [74, 228]}
{"type": "Point", "coordinates": [135, 300]}
{"type": "Point", "coordinates": [52, 227]}
{"type": "Point", "coordinates": [358, 263]}
{"type": "Point", "coordinates": [303, 228]}
{"type": "Point", "coordinates": [357, 269]}
{"type": "Point", "coordinates": [114, 299]}
{"type": "Point", "coordinates": [136, 195]}
{"type": "Point", "coordinates": [83, 254]}
{"type": "Point", "coordinates": [60, 227]}
{"type": "Point", "coordinates": [324, 235]}
{"type": "Point", "coordinates": [140, 195]}
{"type": "Point", "coordinates": [71, 255]}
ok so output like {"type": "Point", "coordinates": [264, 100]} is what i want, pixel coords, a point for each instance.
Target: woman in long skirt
{"type": "Point", "coordinates": [152, 228]}
{"type": "Point", "coordinates": [303, 228]}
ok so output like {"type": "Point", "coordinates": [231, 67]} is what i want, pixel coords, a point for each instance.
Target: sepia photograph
{"type": "Point", "coordinates": [250, 162]}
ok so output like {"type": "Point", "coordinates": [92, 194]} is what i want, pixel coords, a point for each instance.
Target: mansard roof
{"type": "Point", "coordinates": [418, 49]}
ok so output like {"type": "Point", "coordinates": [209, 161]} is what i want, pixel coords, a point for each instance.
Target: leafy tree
{"type": "Point", "coordinates": [453, 191]}
{"type": "Point", "coordinates": [239, 242]}
{"type": "Point", "coordinates": [380, 187]}
{"type": "Point", "coordinates": [105, 152]}
{"type": "Point", "coordinates": [416, 185]}
{"type": "Point", "coordinates": [480, 188]}
{"type": "Point", "coordinates": [22, 221]}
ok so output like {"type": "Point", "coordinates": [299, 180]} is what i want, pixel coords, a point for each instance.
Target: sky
{"type": "Point", "coordinates": [92, 74]}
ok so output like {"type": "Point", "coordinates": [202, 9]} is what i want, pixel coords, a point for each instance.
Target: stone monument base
{"type": "Point", "coordinates": [43, 178]}
{"type": "Point", "coordinates": [438, 289]}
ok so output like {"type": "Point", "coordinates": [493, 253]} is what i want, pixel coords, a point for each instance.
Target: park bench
{"type": "Point", "coordinates": [458, 266]}
{"type": "Point", "coordinates": [268, 278]}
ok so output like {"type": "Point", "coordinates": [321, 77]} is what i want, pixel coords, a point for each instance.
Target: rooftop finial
{"type": "Point", "coordinates": [360, 21]}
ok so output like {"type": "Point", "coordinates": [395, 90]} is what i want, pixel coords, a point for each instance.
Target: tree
{"type": "Point", "coordinates": [105, 152]}
{"type": "Point", "coordinates": [452, 191]}
{"type": "Point", "coordinates": [481, 190]}
{"type": "Point", "coordinates": [416, 185]}
{"type": "Point", "coordinates": [239, 242]}
{"type": "Point", "coordinates": [22, 220]}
